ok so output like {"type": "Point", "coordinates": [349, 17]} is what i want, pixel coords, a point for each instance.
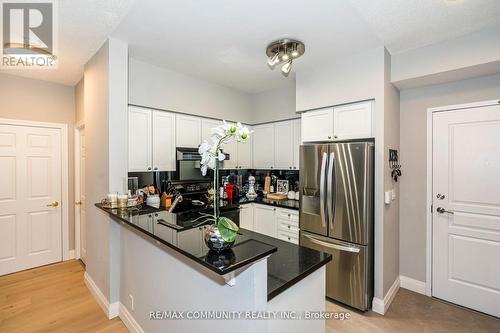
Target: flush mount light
{"type": "Point", "coordinates": [284, 51]}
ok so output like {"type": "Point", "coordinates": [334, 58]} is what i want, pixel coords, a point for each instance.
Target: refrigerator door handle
{"type": "Point", "coordinates": [322, 189]}
{"type": "Point", "coordinates": [329, 185]}
{"type": "Point", "coordinates": [333, 246]}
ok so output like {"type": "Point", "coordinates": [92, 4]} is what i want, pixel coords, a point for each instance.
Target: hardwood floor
{"type": "Point", "coordinates": [52, 298]}
{"type": "Point", "coordinates": [411, 312]}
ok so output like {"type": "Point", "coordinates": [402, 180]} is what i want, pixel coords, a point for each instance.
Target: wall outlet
{"type": "Point", "coordinates": [387, 197]}
{"type": "Point", "coordinates": [131, 302]}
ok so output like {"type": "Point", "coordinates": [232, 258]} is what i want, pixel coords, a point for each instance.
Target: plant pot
{"type": "Point", "coordinates": [214, 240]}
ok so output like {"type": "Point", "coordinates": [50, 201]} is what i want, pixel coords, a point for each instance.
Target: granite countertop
{"type": "Point", "coordinates": [289, 204]}
{"type": "Point", "coordinates": [288, 263]}
{"type": "Point", "coordinates": [156, 224]}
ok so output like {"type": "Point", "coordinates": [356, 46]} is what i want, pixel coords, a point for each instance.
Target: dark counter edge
{"type": "Point", "coordinates": [288, 284]}
{"type": "Point", "coordinates": [273, 204]}
{"type": "Point", "coordinates": [190, 256]}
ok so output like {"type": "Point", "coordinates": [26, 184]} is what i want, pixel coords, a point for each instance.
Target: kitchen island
{"type": "Point", "coordinates": [166, 268]}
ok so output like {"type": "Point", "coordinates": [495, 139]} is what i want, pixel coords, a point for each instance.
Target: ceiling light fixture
{"type": "Point", "coordinates": [284, 51]}
{"type": "Point", "coordinates": [287, 67]}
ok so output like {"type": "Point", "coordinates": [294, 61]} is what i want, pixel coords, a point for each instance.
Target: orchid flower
{"type": "Point", "coordinates": [211, 155]}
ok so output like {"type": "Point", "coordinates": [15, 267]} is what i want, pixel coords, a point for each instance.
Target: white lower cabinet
{"type": "Point", "coordinates": [264, 221]}
{"type": "Point", "coordinates": [271, 221]}
{"type": "Point", "coordinates": [190, 241]}
{"type": "Point", "coordinates": [246, 217]}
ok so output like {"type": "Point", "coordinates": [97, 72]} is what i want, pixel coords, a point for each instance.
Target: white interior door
{"type": "Point", "coordinates": [81, 203]}
{"type": "Point", "coordinates": [30, 197]}
{"type": "Point", "coordinates": [466, 208]}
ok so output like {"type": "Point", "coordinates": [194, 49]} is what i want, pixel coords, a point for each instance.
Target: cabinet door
{"type": "Point", "coordinates": [283, 145]}
{"type": "Point", "coordinates": [188, 131]}
{"type": "Point", "coordinates": [246, 217]}
{"type": "Point", "coordinates": [317, 125]}
{"type": "Point", "coordinates": [163, 141]}
{"type": "Point", "coordinates": [353, 121]}
{"type": "Point", "coordinates": [296, 143]}
{"type": "Point", "coordinates": [245, 154]}
{"type": "Point", "coordinates": [206, 127]}
{"type": "Point", "coordinates": [231, 149]}
{"type": "Point", "coordinates": [264, 221]}
{"type": "Point", "coordinates": [191, 241]}
{"type": "Point", "coordinates": [139, 139]}
{"type": "Point", "coordinates": [263, 146]}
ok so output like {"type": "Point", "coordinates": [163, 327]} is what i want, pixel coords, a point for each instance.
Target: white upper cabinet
{"type": "Point", "coordinates": [353, 121]}
{"type": "Point", "coordinates": [263, 146]}
{"type": "Point", "coordinates": [317, 125]}
{"type": "Point", "coordinates": [245, 153]}
{"type": "Point", "coordinates": [151, 140]}
{"type": "Point", "coordinates": [206, 128]}
{"type": "Point", "coordinates": [345, 122]}
{"type": "Point", "coordinates": [296, 143]}
{"type": "Point", "coordinates": [231, 148]}
{"type": "Point", "coordinates": [188, 131]}
{"type": "Point", "coordinates": [139, 139]}
{"type": "Point", "coordinates": [163, 141]}
{"type": "Point", "coordinates": [283, 145]}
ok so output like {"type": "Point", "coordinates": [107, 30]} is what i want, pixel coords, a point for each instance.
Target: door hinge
{"type": "Point", "coordinates": [432, 207]}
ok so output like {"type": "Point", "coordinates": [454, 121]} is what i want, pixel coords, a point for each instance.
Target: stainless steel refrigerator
{"type": "Point", "coordinates": [336, 215]}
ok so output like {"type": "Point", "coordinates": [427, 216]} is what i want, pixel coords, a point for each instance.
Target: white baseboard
{"type": "Point", "coordinates": [129, 321]}
{"type": "Point", "coordinates": [412, 284]}
{"type": "Point", "coordinates": [111, 310]}
{"type": "Point", "coordinates": [381, 306]}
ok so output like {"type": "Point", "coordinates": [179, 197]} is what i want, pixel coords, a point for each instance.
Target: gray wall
{"type": "Point", "coordinates": [37, 100]}
{"type": "Point", "coordinates": [105, 105]}
{"type": "Point", "coordinates": [391, 211]}
{"type": "Point", "coordinates": [162, 88]}
{"type": "Point", "coordinates": [275, 104]}
{"type": "Point", "coordinates": [97, 165]}
{"type": "Point", "coordinates": [414, 104]}
{"type": "Point", "coordinates": [79, 102]}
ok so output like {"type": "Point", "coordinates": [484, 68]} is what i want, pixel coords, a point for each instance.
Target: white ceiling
{"type": "Point", "coordinates": [408, 24]}
{"type": "Point", "coordinates": [224, 41]}
{"type": "Point", "coordinates": [84, 25]}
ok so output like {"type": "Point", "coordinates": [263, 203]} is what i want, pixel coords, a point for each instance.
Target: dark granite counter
{"type": "Point", "coordinates": [289, 204]}
{"type": "Point", "coordinates": [288, 263]}
{"type": "Point", "coordinates": [159, 225]}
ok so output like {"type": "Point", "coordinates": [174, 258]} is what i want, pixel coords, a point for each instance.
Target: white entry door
{"type": "Point", "coordinates": [81, 203]}
{"type": "Point", "coordinates": [466, 208]}
{"type": "Point", "coordinates": [30, 197]}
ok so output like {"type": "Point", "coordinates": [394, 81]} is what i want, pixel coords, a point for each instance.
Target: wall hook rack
{"type": "Point", "coordinates": [394, 165]}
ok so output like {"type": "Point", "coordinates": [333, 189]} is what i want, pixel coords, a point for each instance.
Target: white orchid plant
{"type": "Point", "coordinates": [211, 155]}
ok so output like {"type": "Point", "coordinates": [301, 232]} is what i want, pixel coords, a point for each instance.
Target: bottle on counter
{"type": "Point", "coordinates": [267, 183]}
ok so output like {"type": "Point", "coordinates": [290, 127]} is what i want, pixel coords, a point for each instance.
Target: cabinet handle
{"type": "Point", "coordinates": [155, 168]}
{"type": "Point", "coordinates": [288, 215]}
{"type": "Point", "coordinates": [335, 137]}
{"type": "Point", "coordinates": [149, 168]}
{"type": "Point", "coordinates": [329, 137]}
{"type": "Point", "coordinates": [288, 238]}
{"type": "Point", "coordinates": [288, 227]}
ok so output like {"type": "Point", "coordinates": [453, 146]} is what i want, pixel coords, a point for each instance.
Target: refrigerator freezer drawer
{"type": "Point", "coordinates": [348, 275]}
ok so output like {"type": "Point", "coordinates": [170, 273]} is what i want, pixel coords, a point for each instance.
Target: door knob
{"type": "Point", "coordinates": [53, 204]}
{"type": "Point", "coordinates": [441, 210]}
